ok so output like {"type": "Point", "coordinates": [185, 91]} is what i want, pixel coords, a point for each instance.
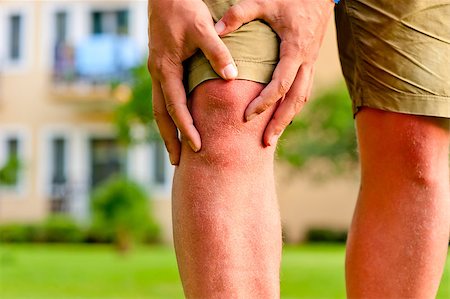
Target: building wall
{"type": "Point", "coordinates": [36, 109]}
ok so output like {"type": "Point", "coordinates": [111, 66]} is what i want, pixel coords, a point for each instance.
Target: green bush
{"type": "Point", "coordinates": [60, 228]}
{"type": "Point", "coordinates": [56, 228]}
{"type": "Point", "coordinates": [326, 235]}
{"type": "Point", "coordinates": [17, 233]}
{"type": "Point", "coordinates": [121, 213]}
{"type": "Point", "coordinates": [152, 233]}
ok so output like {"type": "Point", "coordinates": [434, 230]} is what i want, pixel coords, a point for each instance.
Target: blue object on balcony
{"type": "Point", "coordinates": [104, 56]}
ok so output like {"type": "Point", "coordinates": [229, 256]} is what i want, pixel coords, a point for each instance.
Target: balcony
{"type": "Point", "coordinates": [85, 73]}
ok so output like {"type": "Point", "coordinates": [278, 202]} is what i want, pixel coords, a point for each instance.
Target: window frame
{"type": "Point", "coordinates": [26, 38]}
{"type": "Point", "coordinates": [22, 137]}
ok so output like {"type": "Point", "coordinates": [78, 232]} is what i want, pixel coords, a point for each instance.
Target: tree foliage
{"type": "Point", "coordinates": [324, 130]}
{"type": "Point", "coordinates": [138, 108]}
{"type": "Point", "coordinates": [9, 172]}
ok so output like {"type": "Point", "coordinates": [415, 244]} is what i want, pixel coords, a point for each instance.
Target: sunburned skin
{"type": "Point", "coordinates": [399, 236]}
{"type": "Point", "coordinates": [227, 229]}
{"type": "Point", "coordinates": [218, 107]}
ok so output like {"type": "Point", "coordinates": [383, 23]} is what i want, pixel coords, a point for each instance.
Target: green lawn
{"type": "Point", "coordinates": [92, 271]}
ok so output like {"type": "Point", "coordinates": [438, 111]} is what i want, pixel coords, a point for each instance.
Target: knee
{"type": "Point", "coordinates": [423, 164]}
{"type": "Point", "coordinates": [423, 152]}
{"type": "Point", "coordinates": [410, 148]}
{"type": "Point", "coordinates": [218, 107]}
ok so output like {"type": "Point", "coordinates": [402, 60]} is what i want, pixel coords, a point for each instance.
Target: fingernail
{"type": "Point", "coordinates": [172, 161]}
{"type": "Point", "coordinates": [220, 27]}
{"type": "Point", "coordinates": [194, 148]}
{"type": "Point", "coordinates": [230, 71]}
{"type": "Point", "coordinates": [251, 116]}
{"type": "Point", "coordinates": [273, 140]}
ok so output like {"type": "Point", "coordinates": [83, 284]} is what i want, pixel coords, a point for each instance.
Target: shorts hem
{"type": "Point", "coordinates": [426, 105]}
{"type": "Point", "coordinates": [247, 70]}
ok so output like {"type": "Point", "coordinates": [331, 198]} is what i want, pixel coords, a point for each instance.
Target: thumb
{"type": "Point", "coordinates": [237, 15]}
{"type": "Point", "coordinates": [218, 55]}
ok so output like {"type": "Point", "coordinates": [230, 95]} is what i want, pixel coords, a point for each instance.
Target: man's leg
{"type": "Point", "coordinates": [227, 229]}
{"type": "Point", "coordinates": [399, 235]}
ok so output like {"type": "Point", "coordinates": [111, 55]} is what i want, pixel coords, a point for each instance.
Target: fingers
{"type": "Point", "coordinates": [217, 53]}
{"type": "Point", "coordinates": [290, 106]}
{"type": "Point", "coordinates": [175, 101]}
{"type": "Point", "coordinates": [166, 126]}
{"type": "Point", "coordinates": [239, 14]}
{"type": "Point", "coordinates": [282, 79]}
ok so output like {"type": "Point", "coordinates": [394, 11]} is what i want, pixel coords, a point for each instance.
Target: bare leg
{"type": "Point", "coordinates": [399, 236]}
{"type": "Point", "coordinates": [227, 229]}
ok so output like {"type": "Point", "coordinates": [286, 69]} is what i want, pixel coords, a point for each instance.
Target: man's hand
{"type": "Point", "coordinates": [176, 30]}
{"type": "Point", "coordinates": [300, 25]}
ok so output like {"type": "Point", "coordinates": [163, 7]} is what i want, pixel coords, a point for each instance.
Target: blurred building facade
{"type": "Point", "coordinates": [56, 105]}
{"type": "Point", "coordinates": [57, 60]}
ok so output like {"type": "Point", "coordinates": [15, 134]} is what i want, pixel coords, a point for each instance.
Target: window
{"type": "Point", "coordinates": [9, 171]}
{"type": "Point", "coordinates": [59, 189]}
{"type": "Point", "coordinates": [61, 27]}
{"type": "Point", "coordinates": [59, 159]}
{"type": "Point", "coordinates": [107, 159]}
{"type": "Point", "coordinates": [64, 52]}
{"type": "Point", "coordinates": [97, 27]}
{"type": "Point", "coordinates": [159, 171]}
{"type": "Point", "coordinates": [122, 22]}
{"type": "Point", "coordinates": [15, 33]}
{"type": "Point", "coordinates": [13, 147]}
{"type": "Point", "coordinates": [110, 22]}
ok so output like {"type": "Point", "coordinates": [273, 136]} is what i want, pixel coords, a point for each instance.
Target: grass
{"type": "Point", "coordinates": [93, 271]}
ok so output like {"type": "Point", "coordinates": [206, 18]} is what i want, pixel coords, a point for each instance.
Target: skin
{"type": "Point", "coordinates": [170, 43]}
{"type": "Point", "coordinates": [300, 24]}
{"type": "Point", "coordinates": [398, 239]}
{"type": "Point", "coordinates": [226, 223]}
{"type": "Point", "coordinates": [399, 234]}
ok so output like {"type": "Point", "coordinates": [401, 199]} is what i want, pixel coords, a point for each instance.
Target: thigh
{"type": "Point", "coordinates": [395, 55]}
{"type": "Point", "coordinates": [254, 47]}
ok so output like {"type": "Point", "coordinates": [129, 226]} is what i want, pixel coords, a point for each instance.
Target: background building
{"type": "Point", "coordinates": [57, 60]}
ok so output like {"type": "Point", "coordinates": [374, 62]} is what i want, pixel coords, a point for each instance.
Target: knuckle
{"type": "Point", "coordinates": [283, 86]}
{"type": "Point", "coordinates": [281, 124]}
{"type": "Point", "coordinates": [201, 26]}
{"type": "Point", "coordinates": [235, 14]}
{"type": "Point", "coordinates": [297, 47]}
{"type": "Point", "coordinates": [300, 100]}
{"type": "Point", "coordinates": [155, 64]}
{"type": "Point", "coordinates": [294, 49]}
{"type": "Point", "coordinates": [158, 115]}
{"type": "Point", "coordinates": [263, 107]}
{"type": "Point", "coordinates": [296, 103]}
{"type": "Point", "coordinates": [166, 68]}
{"type": "Point", "coordinates": [171, 108]}
{"type": "Point", "coordinates": [262, 3]}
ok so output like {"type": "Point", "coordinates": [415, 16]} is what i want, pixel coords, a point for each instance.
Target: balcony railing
{"type": "Point", "coordinates": [88, 70]}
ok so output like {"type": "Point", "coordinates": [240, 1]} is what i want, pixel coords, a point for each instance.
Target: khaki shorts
{"type": "Point", "coordinates": [395, 55]}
